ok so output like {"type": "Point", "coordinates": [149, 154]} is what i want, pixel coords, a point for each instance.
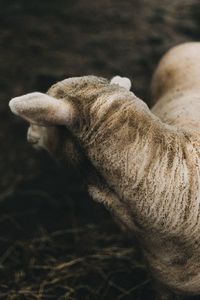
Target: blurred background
{"type": "Point", "coordinates": [55, 242]}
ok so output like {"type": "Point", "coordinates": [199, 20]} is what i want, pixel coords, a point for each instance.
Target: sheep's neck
{"type": "Point", "coordinates": [137, 155]}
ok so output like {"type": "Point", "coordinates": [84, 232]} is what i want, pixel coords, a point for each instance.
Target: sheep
{"type": "Point", "coordinates": [143, 164]}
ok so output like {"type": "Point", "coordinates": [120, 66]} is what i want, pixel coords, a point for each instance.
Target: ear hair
{"type": "Point", "coordinates": [121, 81]}
{"type": "Point", "coordinates": [42, 109]}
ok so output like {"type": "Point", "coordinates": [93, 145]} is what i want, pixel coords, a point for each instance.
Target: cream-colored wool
{"type": "Point", "coordinates": [146, 162]}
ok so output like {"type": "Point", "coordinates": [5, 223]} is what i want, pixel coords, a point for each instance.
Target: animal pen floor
{"type": "Point", "coordinates": [55, 242]}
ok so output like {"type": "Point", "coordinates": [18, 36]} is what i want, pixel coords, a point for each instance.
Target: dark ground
{"type": "Point", "coordinates": [55, 243]}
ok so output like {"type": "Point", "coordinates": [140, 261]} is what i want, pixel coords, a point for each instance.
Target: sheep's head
{"type": "Point", "coordinates": [51, 115]}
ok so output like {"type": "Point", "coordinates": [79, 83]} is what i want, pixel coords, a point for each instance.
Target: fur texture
{"type": "Point", "coordinates": [146, 164]}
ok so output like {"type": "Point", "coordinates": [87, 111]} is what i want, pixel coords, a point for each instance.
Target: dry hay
{"type": "Point", "coordinates": [90, 262]}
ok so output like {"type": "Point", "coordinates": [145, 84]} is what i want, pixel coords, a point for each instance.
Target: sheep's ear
{"type": "Point", "coordinates": [41, 109]}
{"type": "Point", "coordinates": [121, 81]}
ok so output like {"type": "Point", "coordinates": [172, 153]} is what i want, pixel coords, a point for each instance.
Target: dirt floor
{"type": "Point", "coordinates": [55, 242]}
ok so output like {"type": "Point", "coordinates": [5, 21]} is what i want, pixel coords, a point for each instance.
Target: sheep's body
{"type": "Point", "coordinates": [147, 170]}
{"type": "Point", "coordinates": [175, 89]}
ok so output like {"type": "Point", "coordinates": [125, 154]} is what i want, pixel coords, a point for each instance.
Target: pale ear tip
{"type": "Point", "coordinates": [121, 81]}
{"type": "Point", "coordinates": [16, 103]}
{"type": "Point", "coordinates": [12, 106]}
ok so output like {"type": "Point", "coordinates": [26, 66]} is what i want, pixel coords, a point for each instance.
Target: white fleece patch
{"type": "Point", "coordinates": [121, 81]}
